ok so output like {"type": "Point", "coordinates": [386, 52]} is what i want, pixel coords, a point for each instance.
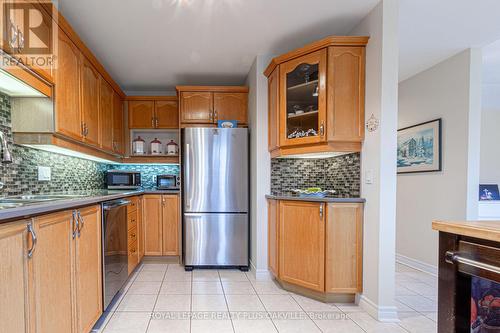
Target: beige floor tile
{"type": "Point", "coordinates": [209, 303]}
{"type": "Point", "coordinates": [211, 326]}
{"type": "Point", "coordinates": [418, 303]}
{"type": "Point", "coordinates": [176, 268]}
{"type": "Point", "coordinates": [238, 288]}
{"type": "Point", "coordinates": [421, 288]}
{"type": "Point", "coordinates": [137, 303]}
{"type": "Point", "coordinates": [144, 288]}
{"type": "Point", "coordinates": [268, 288]}
{"type": "Point", "coordinates": [173, 303]}
{"type": "Point", "coordinates": [176, 287]}
{"type": "Point", "coordinates": [370, 325]}
{"type": "Point", "coordinates": [205, 275]}
{"type": "Point", "coordinates": [150, 276]}
{"type": "Point", "coordinates": [349, 307]}
{"type": "Point", "coordinates": [241, 303]}
{"type": "Point", "coordinates": [169, 326]}
{"type": "Point", "coordinates": [154, 267]}
{"type": "Point", "coordinates": [403, 307]}
{"type": "Point", "coordinates": [279, 303]}
{"type": "Point", "coordinates": [207, 288]}
{"type": "Point", "coordinates": [178, 275]}
{"type": "Point", "coordinates": [401, 290]}
{"type": "Point", "coordinates": [309, 304]}
{"type": "Point", "coordinates": [128, 322]}
{"type": "Point", "coordinates": [254, 326]}
{"type": "Point", "coordinates": [431, 315]}
{"type": "Point", "coordinates": [232, 275]}
{"type": "Point", "coordinates": [343, 325]}
{"type": "Point", "coordinates": [298, 326]}
{"type": "Point", "coordinates": [417, 323]}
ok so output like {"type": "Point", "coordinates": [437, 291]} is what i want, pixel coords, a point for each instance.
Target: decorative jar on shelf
{"type": "Point", "coordinates": [172, 148]}
{"type": "Point", "coordinates": [138, 146]}
{"type": "Point", "coordinates": [155, 147]}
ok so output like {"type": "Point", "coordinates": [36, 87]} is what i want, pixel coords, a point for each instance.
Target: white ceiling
{"type": "Point", "coordinates": [433, 30]}
{"type": "Point", "coordinates": [491, 63]}
{"type": "Point", "coordinates": [153, 45]}
{"type": "Point", "coordinates": [157, 44]}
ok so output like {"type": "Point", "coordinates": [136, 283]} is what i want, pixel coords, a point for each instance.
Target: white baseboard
{"type": "Point", "coordinates": [386, 314]}
{"type": "Point", "coordinates": [260, 274]}
{"type": "Point", "coordinates": [416, 264]}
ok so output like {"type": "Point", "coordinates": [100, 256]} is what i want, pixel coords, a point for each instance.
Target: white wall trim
{"type": "Point", "coordinates": [416, 264]}
{"type": "Point", "coordinates": [386, 314]}
{"type": "Point", "coordinates": [260, 274]}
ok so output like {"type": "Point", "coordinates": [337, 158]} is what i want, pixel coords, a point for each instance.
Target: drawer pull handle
{"type": "Point", "coordinates": [455, 257]}
{"type": "Point", "coordinates": [132, 235]}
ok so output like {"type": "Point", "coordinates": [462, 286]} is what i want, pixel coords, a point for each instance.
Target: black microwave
{"type": "Point", "coordinates": [123, 180]}
{"type": "Point", "coordinates": [168, 182]}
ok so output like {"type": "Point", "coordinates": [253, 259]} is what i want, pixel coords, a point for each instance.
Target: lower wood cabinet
{"type": "Point", "coordinates": [316, 245]}
{"type": "Point", "coordinates": [133, 229]}
{"type": "Point", "coordinates": [161, 224]}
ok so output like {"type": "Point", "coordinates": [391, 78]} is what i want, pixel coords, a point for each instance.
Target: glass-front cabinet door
{"type": "Point", "coordinates": [303, 99]}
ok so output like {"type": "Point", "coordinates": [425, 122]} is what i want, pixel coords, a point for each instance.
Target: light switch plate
{"type": "Point", "coordinates": [369, 177]}
{"type": "Point", "coordinates": [44, 173]}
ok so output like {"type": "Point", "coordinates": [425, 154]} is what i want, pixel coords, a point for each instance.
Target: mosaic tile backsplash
{"type": "Point", "coordinates": [340, 173]}
{"type": "Point", "coordinates": [67, 173]}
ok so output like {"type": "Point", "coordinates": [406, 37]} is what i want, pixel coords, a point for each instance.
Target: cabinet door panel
{"type": "Point", "coordinates": [272, 234]}
{"type": "Point", "coordinates": [67, 88]}
{"type": "Point", "coordinates": [88, 269]}
{"type": "Point", "coordinates": [167, 114]}
{"type": "Point", "coordinates": [52, 274]}
{"type": "Point", "coordinates": [303, 99]}
{"type": "Point", "coordinates": [196, 107]}
{"type": "Point", "coordinates": [141, 114]}
{"type": "Point", "coordinates": [14, 299]}
{"type": "Point", "coordinates": [346, 82]}
{"type": "Point", "coordinates": [106, 115]}
{"type": "Point", "coordinates": [170, 218]}
{"type": "Point", "coordinates": [273, 93]}
{"type": "Point", "coordinates": [118, 144]}
{"type": "Point", "coordinates": [140, 227]}
{"type": "Point", "coordinates": [152, 225]}
{"type": "Point", "coordinates": [231, 106]}
{"type": "Point", "coordinates": [302, 244]}
{"type": "Point", "coordinates": [344, 246]}
{"type": "Point", "coordinates": [90, 102]}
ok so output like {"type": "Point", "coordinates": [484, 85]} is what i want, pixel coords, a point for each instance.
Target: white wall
{"type": "Point", "coordinates": [490, 135]}
{"type": "Point", "coordinates": [448, 90]}
{"type": "Point", "coordinates": [260, 163]}
{"type": "Point", "coordinates": [379, 158]}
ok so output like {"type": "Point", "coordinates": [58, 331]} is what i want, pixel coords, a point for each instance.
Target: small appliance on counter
{"type": "Point", "coordinates": [123, 180]}
{"type": "Point", "coordinates": [139, 146]}
{"type": "Point", "coordinates": [168, 182]}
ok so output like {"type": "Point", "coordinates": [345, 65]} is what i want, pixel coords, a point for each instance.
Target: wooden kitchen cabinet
{"type": "Point", "coordinates": [68, 120]}
{"type": "Point", "coordinates": [153, 112]}
{"type": "Point", "coordinates": [153, 225]}
{"type": "Point", "coordinates": [170, 223]}
{"type": "Point", "coordinates": [196, 107]}
{"type": "Point", "coordinates": [133, 221]}
{"type": "Point", "coordinates": [106, 115]}
{"type": "Point", "coordinates": [118, 131]}
{"type": "Point", "coordinates": [302, 244]}
{"type": "Point", "coordinates": [14, 277]}
{"type": "Point", "coordinates": [141, 114]}
{"type": "Point", "coordinates": [320, 98]}
{"type": "Point", "coordinates": [273, 236]}
{"type": "Point", "coordinates": [140, 227]}
{"type": "Point", "coordinates": [231, 106]}
{"type": "Point", "coordinates": [344, 248]}
{"type": "Point", "coordinates": [167, 114]}
{"type": "Point", "coordinates": [90, 102]}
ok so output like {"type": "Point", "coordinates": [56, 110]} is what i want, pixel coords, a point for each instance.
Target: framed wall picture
{"type": "Point", "coordinates": [419, 147]}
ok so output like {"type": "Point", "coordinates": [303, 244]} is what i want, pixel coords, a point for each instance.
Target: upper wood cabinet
{"type": "Point", "coordinates": [106, 115]}
{"type": "Point", "coordinates": [153, 112]}
{"type": "Point", "coordinates": [320, 98]}
{"type": "Point", "coordinates": [206, 105]}
{"type": "Point", "coordinates": [90, 102]}
{"type": "Point", "coordinates": [118, 127]}
{"type": "Point", "coordinates": [68, 120]}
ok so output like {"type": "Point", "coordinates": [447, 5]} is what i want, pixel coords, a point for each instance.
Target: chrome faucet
{"type": "Point", "coordinates": [6, 155]}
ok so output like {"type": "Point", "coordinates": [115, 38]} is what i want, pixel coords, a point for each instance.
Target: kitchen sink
{"type": "Point", "coordinates": [10, 205]}
{"type": "Point", "coordinates": [34, 198]}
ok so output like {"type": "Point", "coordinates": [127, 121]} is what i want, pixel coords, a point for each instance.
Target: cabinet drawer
{"type": "Point", "coordinates": [132, 207]}
{"type": "Point", "coordinates": [132, 235]}
{"type": "Point", "coordinates": [132, 220]}
{"type": "Point", "coordinates": [133, 257]}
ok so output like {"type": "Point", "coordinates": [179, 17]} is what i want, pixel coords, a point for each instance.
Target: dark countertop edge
{"type": "Point", "coordinates": [288, 197]}
{"type": "Point", "coordinates": [25, 212]}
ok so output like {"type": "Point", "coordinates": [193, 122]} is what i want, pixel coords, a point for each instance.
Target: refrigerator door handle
{"type": "Point", "coordinates": [188, 175]}
{"type": "Point", "coordinates": [193, 215]}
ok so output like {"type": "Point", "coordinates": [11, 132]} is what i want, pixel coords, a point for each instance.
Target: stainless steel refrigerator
{"type": "Point", "coordinates": [215, 197]}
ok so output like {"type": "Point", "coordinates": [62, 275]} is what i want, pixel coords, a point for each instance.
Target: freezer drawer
{"type": "Point", "coordinates": [216, 239]}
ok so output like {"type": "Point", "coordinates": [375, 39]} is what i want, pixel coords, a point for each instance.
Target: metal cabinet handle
{"type": "Point", "coordinates": [74, 220]}
{"type": "Point", "coordinates": [156, 122]}
{"type": "Point", "coordinates": [455, 257]}
{"type": "Point", "coordinates": [215, 115]}
{"type": "Point", "coordinates": [321, 211]}
{"type": "Point", "coordinates": [80, 222]}
{"type": "Point", "coordinates": [152, 121]}
{"type": "Point", "coordinates": [322, 128]}
{"type": "Point", "coordinates": [33, 240]}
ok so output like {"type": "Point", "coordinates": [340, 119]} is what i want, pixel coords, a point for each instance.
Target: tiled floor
{"type": "Point", "coordinates": [165, 298]}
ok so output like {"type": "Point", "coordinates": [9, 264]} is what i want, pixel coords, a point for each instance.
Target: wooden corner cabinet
{"type": "Point", "coordinates": [206, 105]}
{"type": "Point", "coordinates": [316, 98]}
{"type": "Point", "coordinates": [316, 246]}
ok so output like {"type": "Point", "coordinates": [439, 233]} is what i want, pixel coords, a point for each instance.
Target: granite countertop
{"type": "Point", "coordinates": [84, 198]}
{"type": "Point", "coordinates": [488, 230]}
{"type": "Point", "coordinates": [285, 196]}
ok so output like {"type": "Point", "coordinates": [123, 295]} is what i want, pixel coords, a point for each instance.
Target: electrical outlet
{"type": "Point", "coordinates": [44, 173]}
{"type": "Point", "coordinates": [369, 177]}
